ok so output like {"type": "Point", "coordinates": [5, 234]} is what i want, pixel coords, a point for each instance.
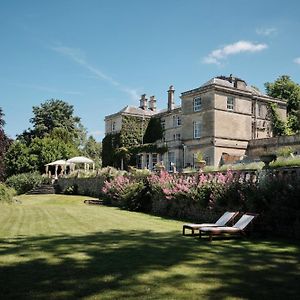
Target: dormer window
{"type": "Point", "coordinates": [197, 104]}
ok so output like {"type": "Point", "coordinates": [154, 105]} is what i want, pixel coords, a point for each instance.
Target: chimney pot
{"type": "Point", "coordinates": [143, 102]}
{"type": "Point", "coordinates": [152, 103]}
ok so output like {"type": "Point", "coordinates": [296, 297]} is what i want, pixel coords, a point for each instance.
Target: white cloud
{"type": "Point", "coordinates": [78, 56]}
{"type": "Point", "coordinates": [266, 31]}
{"type": "Point", "coordinates": [217, 55]}
{"type": "Point", "coordinates": [297, 60]}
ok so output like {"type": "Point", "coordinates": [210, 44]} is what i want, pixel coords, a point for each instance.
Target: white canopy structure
{"type": "Point", "coordinates": [58, 163]}
{"type": "Point", "coordinates": [82, 160]}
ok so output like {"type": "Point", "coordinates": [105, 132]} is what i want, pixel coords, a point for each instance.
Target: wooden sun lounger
{"type": "Point", "coordinates": [222, 221]}
{"type": "Point", "coordinates": [238, 228]}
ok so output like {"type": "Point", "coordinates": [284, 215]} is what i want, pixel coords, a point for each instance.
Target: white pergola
{"type": "Point", "coordinates": [82, 160]}
{"type": "Point", "coordinates": [58, 163]}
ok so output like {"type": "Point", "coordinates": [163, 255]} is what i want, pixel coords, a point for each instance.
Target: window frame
{"type": "Point", "coordinates": [230, 106]}
{"type": "Point", "coordinates": [197, 107]}
{"type": "Point", "coordinates": [259, 109]}
{"type": "Point", "coordinates": [176, 137]}
{"type": "Point", "coordinates": [113, 126]}
{"type": "Point", "coordinates": [197, 128]}
{"type": "Point", "coordinates": [176, 121]}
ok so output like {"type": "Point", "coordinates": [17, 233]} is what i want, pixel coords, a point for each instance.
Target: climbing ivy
{"type": "Point", "coordinates": [133, 129]}
{"type": "Point", "coordinates": [278, 126]}
{"type": "Point", "coordinates": [135, 132]}
{"type": "Point", "coordinates": [109, 144]}
{"type": "Point", "coordinates": [154, 131]}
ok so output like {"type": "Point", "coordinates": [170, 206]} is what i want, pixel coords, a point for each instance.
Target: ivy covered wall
{"type": "Point", "coordinates": [133, 130]}
{"type": "Point", "coordinates": [109, 144]}
{"type": "Point", "coordinates": [137, 135]}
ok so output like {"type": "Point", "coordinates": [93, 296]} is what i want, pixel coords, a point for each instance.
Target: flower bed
{"type": "Point", "coordinates": [201, 197]}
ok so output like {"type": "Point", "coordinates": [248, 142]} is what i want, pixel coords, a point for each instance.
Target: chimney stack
{"type": "Point", "coordinates": [171, 92]}
{"type": "Point", "coordinates": [152, 103]}
{"type": "Point", "coordinates": [143, 102]}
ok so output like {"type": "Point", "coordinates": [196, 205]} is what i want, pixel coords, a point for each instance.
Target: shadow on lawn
{"type": "Point", "coordinates": [117, 264]}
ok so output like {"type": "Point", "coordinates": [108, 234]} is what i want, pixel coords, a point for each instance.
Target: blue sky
{"type": "Point", "coordinates": [101, 55]}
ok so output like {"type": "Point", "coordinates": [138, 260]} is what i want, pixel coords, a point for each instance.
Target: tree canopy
{"type": "Point", "coordinates": [93, 149]}
{"type": "Point", "coordinates": [286, 89]}
{"type": "Point", "coordinates": [56, 134]}
{"type": "Point", "coordinates": [4, 144]}
{"type": "Point", "coordinates": [21, 158]}
{"type": "Point", "coordinates": [52, 114]}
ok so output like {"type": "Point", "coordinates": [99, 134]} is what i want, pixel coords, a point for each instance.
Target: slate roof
{"type": "Point", "coordinates": [226, 83]}
{"type": "Point", "coordinates": [137, 111]}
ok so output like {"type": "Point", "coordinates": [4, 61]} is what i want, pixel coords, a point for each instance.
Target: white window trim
{"type": "Point", "coordinates": [176, 121]}
{"type": "Point", "coordinates": [197, 107]}
{"type": "Point", "coordinates": [197, 129]}
{"type": "Point", "coordinates": [231, 104]}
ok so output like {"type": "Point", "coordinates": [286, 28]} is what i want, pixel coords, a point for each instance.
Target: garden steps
{"type": "Point", "coordinates": [94, 201]}
{"type": "Point", "coordinates": [42, 189]}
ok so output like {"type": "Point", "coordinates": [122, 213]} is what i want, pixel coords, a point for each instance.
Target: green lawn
{"type": "Point", "coordinates": [56, 247]}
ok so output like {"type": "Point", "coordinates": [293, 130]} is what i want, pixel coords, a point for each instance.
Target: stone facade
{"type": "Point", "coordinates": [219, 117]}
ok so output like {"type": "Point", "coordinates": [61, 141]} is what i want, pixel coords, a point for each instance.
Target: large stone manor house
{"type": "Point", "coordinates": [218, 118]}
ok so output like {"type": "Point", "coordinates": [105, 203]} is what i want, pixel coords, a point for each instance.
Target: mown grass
{"type": "Point", "coordinates": [56, 247]}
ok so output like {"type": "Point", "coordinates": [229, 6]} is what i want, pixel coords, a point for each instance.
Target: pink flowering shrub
{"type": "Point", "coordinates": [204, 197]}
{"type": "Point", "coordinates": [125, 192]}
{"type": "Point", "coordinates": [174, 195]}
{"type": "Point", "coordinates": [178, 195]}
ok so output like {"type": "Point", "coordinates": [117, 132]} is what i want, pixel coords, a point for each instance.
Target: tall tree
{"type": "Point", "coordinates": [93, 150]}
{"type": "Point", "coordinates": [2, 122]}
{"type": "Point", "coordinates": [56, 134]}
{"type": "Point", "coordinates": [18, 159]}
{"type": "Point", "coordinates": [55, 118]}
{"type": "Point", "coordinates": [21, 158]}
{"type": "Point", "coordinates": [4, 144]}
{"type": "Point", "coordinates": [50, 115]}
{"type": "Point", "coordinates": [286, 89]}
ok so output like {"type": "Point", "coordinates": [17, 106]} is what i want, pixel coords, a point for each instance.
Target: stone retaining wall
{"type": "Point", "coordinates": [259, 146]}
{"type": "Point", "coordinates": [85, 186]}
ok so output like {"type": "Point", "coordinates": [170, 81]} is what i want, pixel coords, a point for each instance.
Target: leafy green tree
{"type": "Point", "coordinates": [286, 89]}
{"type": "Point", "coordinates": [18, 159]}
{"type": "Point", "coordinates": [93, 150]}
{"type": "Point", "coordinates": [21, 158]}
{"type": "Point", "coordinates": [52, 114]}
{"type": "Point", "coordinates": [62, 134]}
{"type": "Point", "coordinates": [4, 144]}
{"type": "Point", "coordinates": [47, 149]}
{"type": "Point", "coordinates": [2, 122]}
